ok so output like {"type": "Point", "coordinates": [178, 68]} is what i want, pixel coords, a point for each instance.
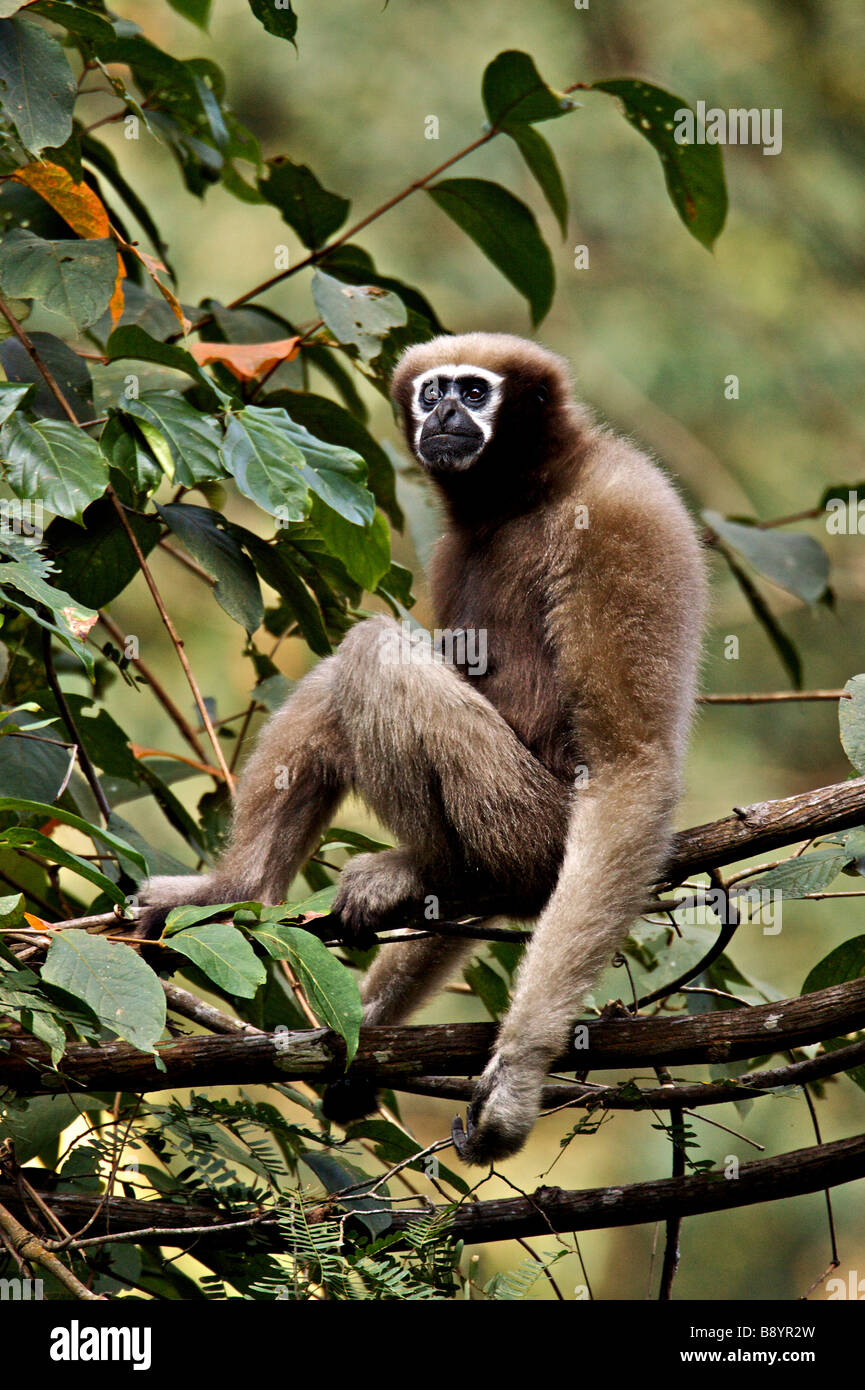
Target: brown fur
{"type": "Point", "coordinates": [593, 638]}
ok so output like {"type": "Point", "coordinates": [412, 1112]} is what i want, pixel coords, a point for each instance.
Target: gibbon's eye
{"type": "Point", "coordinates": [429, 393]}
{"type": "Point", "coordinates": [476, 393]}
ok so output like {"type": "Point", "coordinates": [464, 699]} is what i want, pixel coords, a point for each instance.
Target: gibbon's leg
{"type": "Point", "coordinates": [602, 888]}
{"type": "Point", "coordinates": [285, 798]}
{"type": "Point", "coordinates": [436, 762]}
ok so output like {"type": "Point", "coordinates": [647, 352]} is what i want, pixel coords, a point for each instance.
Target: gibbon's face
{"type": "Point", "coordinates": [454, 412]}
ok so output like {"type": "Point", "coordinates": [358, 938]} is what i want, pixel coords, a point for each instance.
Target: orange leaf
{"type": "Point", "coordinates": [78, 205]}
{"type": "Point", "coordinates": [36, 922]}
{"type": "Point", "coordinates": [246, 360]}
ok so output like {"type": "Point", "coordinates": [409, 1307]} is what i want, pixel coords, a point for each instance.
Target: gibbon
{"type": "Point", "coordinates": [543, 777]}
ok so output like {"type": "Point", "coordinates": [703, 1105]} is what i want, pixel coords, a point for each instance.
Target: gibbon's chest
{"type": "Point", "coordinates": [491, 607]}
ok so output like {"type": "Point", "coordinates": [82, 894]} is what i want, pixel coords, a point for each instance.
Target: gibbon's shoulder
{"type": "Point", "coordinates": [623, 487]}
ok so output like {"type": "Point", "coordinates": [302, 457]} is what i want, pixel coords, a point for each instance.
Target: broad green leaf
{"type": "Point", "coordinates": [336, 1175]}
{"type": "Point", "coordinates": [96, 564]}
{"type": "Point", "coordinates": [19, 837]}
{"type": "Point", "coordinates": [275, 564]}
{"type": "Point", "coordinates": [332, 422]}
{"type": "Point", "coordinates": [94, 832]}
{"type": "Point", "coordinates": [54, 462]}
{"type": "Point", "coordinates": [69, 371]}
{"type": "Point", "coordinates": [846, 962]}
{"type": "Point", "coordinates": [694, 174]}
{"type": "Point", "coordinates": [851, 718]}
{"type": "Point", "coordinates": [514, 92]}
{"type": "Point", "coordinates": [11, 396]}
{"type": "Point", "coordinates": [277, 16]}
{"type": "Point", "coordinates": [36, 84]}
{"type": "Point", "coordinates": [37, 762]}
{"type": "Point", "coordinates": [131, 340]}
{"type": "Point", "coordinates": [307, 207]}
{"type": "Point", "coordinates": [237, 590]}
{"type": "Point", "coordinates": [113, 981]}
{"type": "Point", "coordinates": [266, 465]}
{"type": "Point", "coordinates": [364, 550]}
{"type": "Point", "coordinates": [506, 232]}
{"type": "Point", "coordinates": [807, 873]}
{"type": "Point", "coordinates": [186, 443]}
{"type": "Point", "coordinates": [277, 462]}
{"type": "Point", "coordinates": [18, 578]}
{"type": "Point", "coordinates": [72, 278]}
{"type": "Point", "coordinates": [793, 561]}
{"type": "Point", "coordinates": [542, 163]}
{"type": "Point", "coordinates": [179, 918]}
{"type": "Point", "coordinates": [329, 986]}
{"type": "Point", "coordinates": [392, 1145]}
{"type": "Point", "coordinates": [358, 314]}
{"type": "Point", "coordinates": [224, 955]}
{"type": "Point", "coordinates": [333, 472]}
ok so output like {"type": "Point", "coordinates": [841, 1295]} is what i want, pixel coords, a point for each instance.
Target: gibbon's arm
{"type": "Point", "coordinates": [627, 630]}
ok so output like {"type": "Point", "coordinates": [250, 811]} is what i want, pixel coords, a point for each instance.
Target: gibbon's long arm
{"type": "Point", "coordinates": [627, 632]}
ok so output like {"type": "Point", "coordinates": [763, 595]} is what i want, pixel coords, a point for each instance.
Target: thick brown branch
{"type": "Point", "coordinates": [392, 1054]}
{"type": "Point", "coordinates": [786, 1175]}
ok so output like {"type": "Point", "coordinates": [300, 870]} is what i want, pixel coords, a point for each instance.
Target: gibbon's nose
{"type": "Point", "coordinates": [448, 412]}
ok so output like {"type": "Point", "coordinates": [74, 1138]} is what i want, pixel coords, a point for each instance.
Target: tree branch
{"type": "Point", "coordinates": [390, 1055]}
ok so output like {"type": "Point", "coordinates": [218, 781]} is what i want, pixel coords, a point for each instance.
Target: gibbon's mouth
{"type": "Point", "coordinates": [450, 449]}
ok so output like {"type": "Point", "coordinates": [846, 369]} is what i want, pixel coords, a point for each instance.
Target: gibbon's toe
{"type": "Point", "coordinates": [349, 1099]}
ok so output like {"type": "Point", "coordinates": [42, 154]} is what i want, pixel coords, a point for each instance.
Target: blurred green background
{"type": "Point", "coordinates": [653, 326]}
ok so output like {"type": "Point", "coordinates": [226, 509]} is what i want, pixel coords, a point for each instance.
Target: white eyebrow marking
{"type": "Point", "coordinates": [483, 415]}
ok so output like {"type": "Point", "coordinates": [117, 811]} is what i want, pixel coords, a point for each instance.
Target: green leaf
{"type": "Point", "coordinates": [542, 163]}
{"type": "Point", "coordinates": [793, 561]}
{"type": "Point", "coordinates": [277, 463]}
{"type": "Point", "coordinates": [197, 11]}
{"type": "Point", "coordinates": [265, 464]}
{"type": "Point", "coordinates": [224, 955]}
{"type": "Point", "coordinates": [332, 422]}
{"type": "Point", "coordinates": [237, 590]}
{"type": "Point", "coordinates": [277, 16]}
{"type": "Point", "coordinates": [130, 340]}
{"type": "Point", "coordinates": [96, 564]}
{"type": "Point", "coordinates": [307, 207]}
{"type": "Point", "coordinates": [762, 612]}
{"type": "Point", "coordinates": [36, 84]}
{"type": "Point", "coordinates": [11, 396]}
{"type": "Point", "coordinates": [489, 987]}
{"type": "Point", "coordinates": [846, 962]}
{"type": "Point", "coordinates": [694, 174]}
{"type": "Point", "coordinates": [807, 873]}
{"type": "Point", "coordinates": [506, 232]}
{"type": "Point", "coordinates": [851, 718]}
{"type": "Point", "coordinates": [54, 462]}
{"type": "Point", "coordinates": [186, 443]}
{"type": "Point", "coordinates": [364, 550]}
{"type": "Point", "coordinates": [329, 986]}
{"type": "Point", "coordinates": [358, 314]}
{"type": "Point", "coordinates": [69, 371]}
{"type": "Point", "coordinates": [94, 832]}
{"type": "Point", "coordinates": [113, 981]}
{"type": "Point", "coordinates": [514, 93]}
{"type": "Point", "coordinates": [72, 278]}
{"type": "Point", "coordinates": [19, 837]}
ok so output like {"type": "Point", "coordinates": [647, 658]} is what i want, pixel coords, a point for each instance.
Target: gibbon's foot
{"type": "Point", "coordinates": [349, 1099]}
{"type": "Point", "coordinates": [502, 1113]}
{"type": "Point", "coordinates": [375, 891]}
